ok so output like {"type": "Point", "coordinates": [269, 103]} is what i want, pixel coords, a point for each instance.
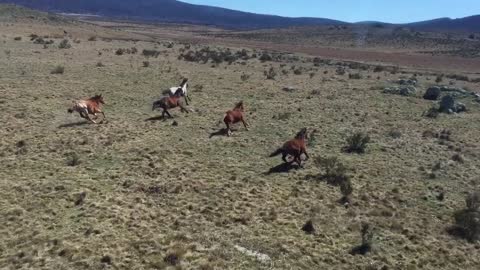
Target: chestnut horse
{"type": "Point", "coordinates": [170, 102]}
{"type": "Point", "coordinates": [294, 148]}
{"type": "Point", "coordinates": [234, 116]}
{"type": "Point", "coordinates": [87, 107]}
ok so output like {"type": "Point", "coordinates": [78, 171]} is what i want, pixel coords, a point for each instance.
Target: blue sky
{"type": "Point", "coordinates": [394, 11]}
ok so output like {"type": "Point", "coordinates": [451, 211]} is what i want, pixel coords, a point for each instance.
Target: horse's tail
{"type": "Point", "coordinates": [276, 153]}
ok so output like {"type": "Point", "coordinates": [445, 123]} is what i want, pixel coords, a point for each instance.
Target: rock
{"type": "Point", "coordinates": [263, 258]}
{"type": "Point", "coordinates": [407, 82]}
{"type": "Point", "coordinates": [401, 90]}
{"type": "Point", "coordinates": [460, 107]}
{"type": "Point", "coordinates": [455, 92]}
{"type": "Point", "coordinates": [433, 93]}
{"type": "Point", "coordinates": [447, 104]}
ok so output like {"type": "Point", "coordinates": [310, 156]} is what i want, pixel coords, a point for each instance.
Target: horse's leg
{"type": "Point", "coordinates": [307, 157]}
{"type": "Point", "coordinates": [244, 123]}
{"type": "Point", "coordinates": [298, 160]}
{"type": "Point", "coordinates": [89, 118]}
{"type": "Point", "coordinates": [183, 109]}
{"type": "Point", "coordinates": [169, 115]}
{"type": "Point", "coordinates": [186, 100]}
{"type": "Point", "coordinates": [284, 157]}
{"type": "Point", "coordinates": [229, 131]}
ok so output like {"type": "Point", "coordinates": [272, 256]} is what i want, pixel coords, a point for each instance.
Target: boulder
{"type": "Point", "coordinates": [447, 104]}
{"type": "Point", "coordinates": [433, 93]}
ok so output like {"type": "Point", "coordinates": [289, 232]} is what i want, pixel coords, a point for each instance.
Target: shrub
{"type": "Point", "coordinates": [270, 74]}
{"type": "Point", "coordinates": [120, 51]}
{"type": "Point", "coordinates": [146, 64]}
{"type": "Point", "coordinates": [355, 76]}
{"type": "Point", "coordinates": [335, 171]}
{"type": "Point", "coordinates": [378, 69]}
{"type": "Point", "coordinates": [458, 77]}
{"type": "Point", "coordinates": [433, 112]}
{"type": "Point", "coordinates": [340, 71]}
{"type": "Point", "coordinates": [17, 38]}
{"type": "Point", "coordinates": [357, 143]}
{"type": "Point", "coordinates": [72, 159]}
{"type": "Point", "coordinates": [100, 64]}
{"type": "Point", "coordinates": [298, 71]}
{"type": "Point", "coordinates": [468, 220]}
{"type": "Point", "coordinates": [283, 116]}
{"type": "Point", "coordinates": [92, 38]}
{"type": "Point", "coordinates": [150, 53]}
{"type": "Point", "coordinates": [265, 57]}
{"type": "Point", "coordinates": [58, 70]}
{"type": "Point", "coordinates": [367, 241]}
{"type": "Point", "coordinates": [244, 77]}
{"type": "Point", "coordinates": [312, 74]}
{"type": "Point", "coordinates": [64, 44]}
{"type": "Point", "coordinates": [439, 78]}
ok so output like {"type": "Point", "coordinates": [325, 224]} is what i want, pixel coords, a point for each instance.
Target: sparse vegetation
{"type": "Point", "coordinates": [270, 74]}
{"type": "Point", "coordinates": [355, 76]}
{"type": "Point", "coordinates": [58, 70]}
{"type": "Point", "coordinates": [468, 219]}
{"type": "Point", "coordinates": [357, 143]}
{"type": "Point", "coordinates": [64, 44]}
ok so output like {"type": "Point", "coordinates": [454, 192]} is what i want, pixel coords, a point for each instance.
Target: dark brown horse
{"type": "Point", "coordinates": [294, 148]}
{"type": "Point", "coordinates": [170, 102]}
{"type": "Point", "coordinates": [234, 116]}
{"type": "Point", "coordinates": [87, 107]}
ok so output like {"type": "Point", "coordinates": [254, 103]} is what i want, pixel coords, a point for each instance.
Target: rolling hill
{"type": "Point", "coordinates": [180, 12]}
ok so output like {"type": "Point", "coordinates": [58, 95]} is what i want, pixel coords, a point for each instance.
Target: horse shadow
{"type": "Point", "coordinates": [283, 168]}
{"type": "Point", "coordinates": [74, 124]}
{"type": "Point", "coordinates": [156, 118]}
{"type": "Point", "coordinates": [221, 132]}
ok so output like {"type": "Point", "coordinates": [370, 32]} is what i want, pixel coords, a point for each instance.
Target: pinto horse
{"type": "Point", "coordinates": [184, 87]}
{"type": "Point", "coordinates": [234, 116]}
{"type": "Point", "coordinates": [294, 148]}
{"type": "Point", "coordinates": [170, 102]}
{"type": "Point", "coordinates": [87, 107]}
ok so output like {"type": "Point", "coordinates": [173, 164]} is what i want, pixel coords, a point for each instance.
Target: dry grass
{"type": "Point", "coordinates": [145, 194]}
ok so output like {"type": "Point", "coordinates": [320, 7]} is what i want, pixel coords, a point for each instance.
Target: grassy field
{"type": "Point", "coordinates": [147, 194]}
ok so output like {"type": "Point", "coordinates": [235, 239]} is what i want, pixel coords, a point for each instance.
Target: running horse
{"type": "Point", "coordinates": [87, 107]}
{"type": "Point", "coordinates": [170, 102]}
{"type": "Point", "coordinates": [234, 116]}
{"type": "Point", "coordinates": [294, 148]}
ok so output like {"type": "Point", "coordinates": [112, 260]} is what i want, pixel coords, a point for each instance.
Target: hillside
{"type": "Point", "coordinates": [170, 11]}
{"type": "Point", "coordinates": [471, 24]}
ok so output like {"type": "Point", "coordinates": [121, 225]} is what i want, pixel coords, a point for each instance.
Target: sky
{"type": "Point", "coordinates": [392, 11]}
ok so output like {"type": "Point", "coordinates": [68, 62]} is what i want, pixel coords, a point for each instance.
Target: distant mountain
{"type": "Point", "coordinates": [170, 11]}
{"type": "Point", "coordinates": [180, 12]}
{"type": "Point", "coordinates": [469, 24]}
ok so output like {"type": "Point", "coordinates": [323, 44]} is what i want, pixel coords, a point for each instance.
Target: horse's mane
{"type": "Point", "coordinates": [239, 105]}
{"type": "Point", "coordinates": [301, 134]}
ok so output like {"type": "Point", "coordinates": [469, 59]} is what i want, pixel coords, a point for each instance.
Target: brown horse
{"type": "Point", "coordinates": [170, 102]}
{"type": "Point", "coordinates": [294, 148]}
{"type": "Point", "coordinates": [87, 107]}
{"type": "Point", "coordinates": [234, 116]}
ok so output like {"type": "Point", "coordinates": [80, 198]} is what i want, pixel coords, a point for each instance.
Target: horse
{"type": "Point", "coordinates": [183, 86]}
{"type": "Point", "coordinates": [234, 116]}
{"type": "Point", "coordinates": [87, 107]}
{"type": "Point", "coordinates": [294, 148]}
{"type": "Point", "coordinates": [170, 102]}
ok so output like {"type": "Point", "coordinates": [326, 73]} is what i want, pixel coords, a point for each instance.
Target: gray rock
{"type": "Point", "coordinates": [412, 82]}
{"type": "Point", "coordinates": [460, 107]}
{"type": "Point", "coordinates": [433, 93]}
{"type": "Point", "coordinates": [447, 104]}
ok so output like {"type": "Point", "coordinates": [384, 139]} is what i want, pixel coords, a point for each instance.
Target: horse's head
{"type": "Point", "coordinates": [184, 82]}
{"type": "Point", "coordinates": [98, 99]}
{"type": "Point", "coordinates": [156, 104]}
{"type": "Point", "coordinates": [302, 134]}
{"type": "Point", "coordinates": [239, 106]}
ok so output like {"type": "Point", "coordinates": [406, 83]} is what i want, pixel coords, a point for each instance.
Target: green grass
{"type": "Point", "coordinates": [154, 189]}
